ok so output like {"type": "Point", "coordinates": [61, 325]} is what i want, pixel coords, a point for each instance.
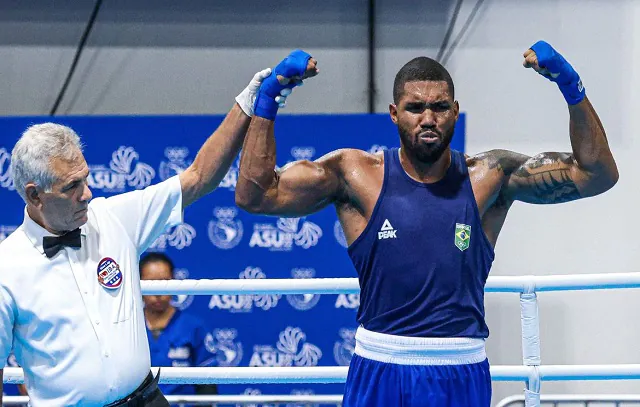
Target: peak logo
{"type": "Point", "coordinates": [290, 350]}
{"type": "Point", "coordinates": [124, 171]}
{"type": "Point", "coordinates": [245, 303]}
{"type": "Point", "coordinates": [283, 235]}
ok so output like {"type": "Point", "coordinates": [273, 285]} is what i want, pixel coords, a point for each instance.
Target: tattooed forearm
{"type": "Point", "coordinates": [545, 179]}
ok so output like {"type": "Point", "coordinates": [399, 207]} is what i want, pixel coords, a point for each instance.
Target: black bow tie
{"type": "Point", "coordinates": [53, 244]}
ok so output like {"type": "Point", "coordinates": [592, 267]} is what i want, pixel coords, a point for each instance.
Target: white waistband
{"type": "Point", "coordinates": [404, 350]}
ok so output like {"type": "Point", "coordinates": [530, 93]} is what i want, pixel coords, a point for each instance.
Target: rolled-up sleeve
{"type": "Point", "coordinates": [7, 318]}
{"type": "Point", "coordinates": [146, 213]}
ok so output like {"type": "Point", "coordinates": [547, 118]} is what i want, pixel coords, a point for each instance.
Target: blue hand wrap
{"type": "Point", "coordinates": [295, 64]}
{"type": "Point", "coordinates": [567, 80]}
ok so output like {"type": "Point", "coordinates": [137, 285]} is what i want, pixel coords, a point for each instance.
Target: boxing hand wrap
{"type": "Point", "coordinates": [295, 64]}
{"type": "Point", "coordinates": [560, 72]}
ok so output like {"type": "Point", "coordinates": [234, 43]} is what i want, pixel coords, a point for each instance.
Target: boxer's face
{"type": "Point", "coordinates": [156, 270]}
{"type": "Point", "coordinates": [426, 116]}
{"type": "Point", "coordinates": [65, 206]}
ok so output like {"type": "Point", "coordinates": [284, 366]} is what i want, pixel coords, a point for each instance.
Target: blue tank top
{"type": "Point", "coordinates": [423, 258]}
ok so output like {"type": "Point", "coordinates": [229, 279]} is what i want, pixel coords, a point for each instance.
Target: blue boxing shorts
{"type": "Point", "coordinates": [389, 370]}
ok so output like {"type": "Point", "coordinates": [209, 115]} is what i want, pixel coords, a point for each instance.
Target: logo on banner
{"type": "Point", "coordinates": [338, 232]}
{"type": "Point", "coordinates": [245, 303]}
{"type": "Point", "coordinates": [249, 391]}
{"type": "Point", "coordinates": [302, 153]}
{"type": "Point", "coordinates": [6, 180]}
{"type": "Point", "coordinates": [177, 163]}
{"type": "Point", "coordinates": [231, 177]}
{"type": "Point", "coordinates": [377, 148]}
{"type": "Point", "coordinates": [290, 350]}
{"type": "Point", "coordinates": [283, 235]}
{"type": "Point", "coordinates": [303, 302]}
{"type": "Point", "coordinates": [124, 170]}
{"type": "Point", "coordinates": [179, 237]}
{"type": "Point", "coordinates": [225, 232]}
{"type": "Point", "coordinates": [181, 301]}
{"type": "Point", "coordinates": [343, 350]}
{"type": "Point", "coordinates": [302, 392]}
{"type": "Point", "coordinates": [222, 343]}
{"type": "Point", "coordinates": [349, 301]}
{"type": "Point", "coordinates": [5, 231]}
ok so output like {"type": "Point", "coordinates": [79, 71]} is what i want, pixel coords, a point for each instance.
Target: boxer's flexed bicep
{"type": "Point", "coordinates": [545, 178]}
{"type": "Point", "coordinates": [549, 178]}
{"type": "Point", "coordinates": [302, 187]}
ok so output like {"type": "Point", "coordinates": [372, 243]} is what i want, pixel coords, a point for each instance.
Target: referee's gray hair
{"type": "Point", "coordinates": [38, 146]}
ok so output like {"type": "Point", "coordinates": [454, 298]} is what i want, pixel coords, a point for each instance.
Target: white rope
{"type": "Point", "coordinates": [231, 375]}
{"type": "Point", "coordinates": [350, 285]}
{"type": "Point", "coordinates": [573, 398]}
{"type": "Point", "coordinates": [338, 374]}
{"type": "Point", "coordinates": [252, 286]}
{"type": "Point", "coordinates": [231, 399]}
{"type": "Point", "coordinates": [13, 400]}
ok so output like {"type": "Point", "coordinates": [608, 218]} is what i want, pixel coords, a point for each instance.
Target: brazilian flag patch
{"type": "Point", "coordinates": [463, 236]}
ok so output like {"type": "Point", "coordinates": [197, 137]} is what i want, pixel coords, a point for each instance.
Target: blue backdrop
{"type": "Point", "coordinates": [217, 240]}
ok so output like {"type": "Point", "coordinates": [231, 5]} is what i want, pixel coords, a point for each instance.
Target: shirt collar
{"type": "Point", "coordinates": [35, 233]}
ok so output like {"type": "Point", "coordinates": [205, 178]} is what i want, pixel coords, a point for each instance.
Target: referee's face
{"type": "Point", "coordinates": [65, 207]}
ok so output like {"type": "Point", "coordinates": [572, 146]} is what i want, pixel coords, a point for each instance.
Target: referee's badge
{"type": "Point", "coordinates": [109, 274]}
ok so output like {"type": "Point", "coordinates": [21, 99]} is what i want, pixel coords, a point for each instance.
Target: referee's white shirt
{"type": "Point", "coordinates": [79, 343]}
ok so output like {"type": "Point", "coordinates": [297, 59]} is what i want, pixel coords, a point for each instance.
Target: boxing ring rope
{"type": "Point", "coordinates": [337, 399]}
{"type": "Point", "coordinates": [338, 374]}
{"type": "Point", "coordinates": [572, 399]}
{"type": "Point", "coordinates": [527, 286]}
{"type": "Point", "coordinates": [495, 284]}
{"type": "Point", "coordinates": [220, 399]}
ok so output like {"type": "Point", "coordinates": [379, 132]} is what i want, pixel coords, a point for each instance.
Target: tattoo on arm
{"type": "Point", "coordinates": [503, 160]}
{"type": "Point", "coordinates": [544, 179]}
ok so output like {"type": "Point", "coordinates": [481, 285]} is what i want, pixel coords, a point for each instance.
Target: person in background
{"type": "Point", "coordinates": [176, 338]}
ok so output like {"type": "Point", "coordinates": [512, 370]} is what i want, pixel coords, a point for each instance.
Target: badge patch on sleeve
{"type": "Point", "coordinates": [109, 274]}
{"type": "Point", "coordinates": [463, 236]}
